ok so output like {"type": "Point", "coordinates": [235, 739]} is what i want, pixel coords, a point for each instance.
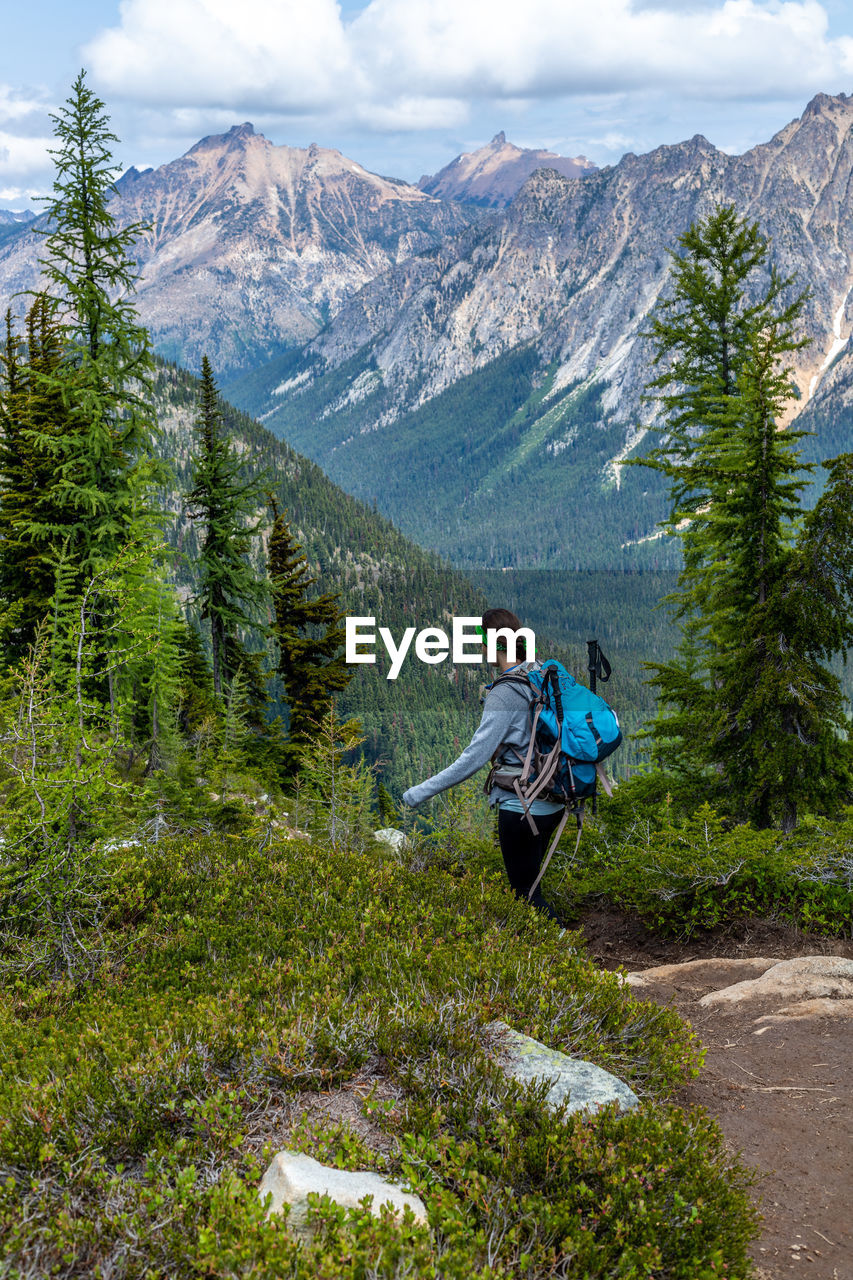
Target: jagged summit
{"type": "Point", "coordinates": [492, 175]}
{"type": "Point", "coordinates": [828, 101]}
{"type": "Point", "coordinates": [236, 135]}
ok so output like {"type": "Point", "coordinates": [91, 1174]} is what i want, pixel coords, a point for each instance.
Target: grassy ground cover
{"type": "Point", "coordinates": [236, 982]}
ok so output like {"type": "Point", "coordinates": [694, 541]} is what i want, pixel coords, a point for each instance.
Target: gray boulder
{"type": "Point", "coordinates": [394, 838]}
{"type": "Point", "coordinates": [584, 1085]}
{"type": "Point", "coordinates": [292, 1176]}
{"type": "Point", "coordinates": [803, 978]}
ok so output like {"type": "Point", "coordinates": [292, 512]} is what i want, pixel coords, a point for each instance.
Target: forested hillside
{"type": "Point", "coordinates": [415, 723]}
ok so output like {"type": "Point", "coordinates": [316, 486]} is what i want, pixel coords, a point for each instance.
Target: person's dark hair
{"type": "Point", "coordinates": [493, 619]}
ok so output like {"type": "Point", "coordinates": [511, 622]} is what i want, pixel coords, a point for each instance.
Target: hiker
{"type": "Point", "coordinates": [505, 722]}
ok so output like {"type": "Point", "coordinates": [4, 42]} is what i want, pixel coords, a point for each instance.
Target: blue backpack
{"type": "Point", "coordinates": [572, 730]}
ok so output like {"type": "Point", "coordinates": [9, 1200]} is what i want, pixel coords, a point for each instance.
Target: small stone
{"type": "Point", "coordinates": [582, 1083]}
{"type": "Point", "coordinates": [292, 1176]}
{"type": "Point", "coordinates": [395, 839]}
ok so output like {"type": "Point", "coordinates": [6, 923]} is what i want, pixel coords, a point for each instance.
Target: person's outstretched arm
{"type": "Point", "coordinates": [494, 726]}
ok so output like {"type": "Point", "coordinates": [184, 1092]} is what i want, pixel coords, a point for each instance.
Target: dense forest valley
{"type": "Point", "coordinates": [259, 1017]}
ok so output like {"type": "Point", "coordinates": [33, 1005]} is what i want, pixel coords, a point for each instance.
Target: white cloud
{"type": "Point", "coordinates": [17, 105]}
{"type": "Point", "coordinates": [288, 54]}
{"type": "Point", "coordinates": [23, 155]}
{"type": "Point", "coordinates": [410, 64]}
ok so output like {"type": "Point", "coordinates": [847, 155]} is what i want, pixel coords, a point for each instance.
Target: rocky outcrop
{"type": "Point", "coordinates": [492, 175]}
{"type": "Point", "coordinates": [292, 1177]}
{"type": "Point", "coordinates": [768, 990]}
{"type": "Point", "coordinates": [806, 978]}
{"type": "Point", "coordinates": [575, 265]}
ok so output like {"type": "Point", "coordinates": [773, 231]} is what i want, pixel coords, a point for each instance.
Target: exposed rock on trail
{"type": "Point", "coordinates": [777, 1077]}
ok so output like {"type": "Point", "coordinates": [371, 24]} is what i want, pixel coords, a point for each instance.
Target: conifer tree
{"type": "Point", "coordinates": [749, 698]}
{"type": "Point", "coordinates": [223, 503]}
{"type": "Point", "coordinates": [103, 462]}
{"type": "Point", "coordinates": [33, 416]}
{"type": "Point", "coordinates": [309, 634]}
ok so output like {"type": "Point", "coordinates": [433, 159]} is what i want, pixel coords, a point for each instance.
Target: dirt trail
{"type": "Point", "coordinates": [782, 1091]}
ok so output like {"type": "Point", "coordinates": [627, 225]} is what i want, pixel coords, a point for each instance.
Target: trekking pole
{"type": "Point", "coordinates": [592, 651]}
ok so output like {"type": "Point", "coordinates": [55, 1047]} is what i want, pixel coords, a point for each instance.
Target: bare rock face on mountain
{"type": "Point", "coordinates": [575, 265]}
{"type": "Point", "coordinates": [252, 246]}
{"type": "Point", "coordinates": [14, 217]}
{"type": "Point", "coordinates": [522, 338]}
{"type": "Point", "coordinates": [492, 175]}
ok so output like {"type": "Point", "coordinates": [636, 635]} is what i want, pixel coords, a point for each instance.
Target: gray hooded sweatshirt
{"type": "Point", "coordinates": [506, 719]}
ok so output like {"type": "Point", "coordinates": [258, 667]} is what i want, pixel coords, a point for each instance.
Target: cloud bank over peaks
{"type": "Point", "coordinates": [419, 64]}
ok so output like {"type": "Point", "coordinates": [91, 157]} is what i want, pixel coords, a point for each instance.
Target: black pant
{"type": "Point", "coordinates": [523, 852]}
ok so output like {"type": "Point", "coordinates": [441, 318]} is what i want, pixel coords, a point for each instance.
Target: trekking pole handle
{"type": "Point", "coordinates": [558, 700]}
{"type": "Point", "coordinates": [592, 649]}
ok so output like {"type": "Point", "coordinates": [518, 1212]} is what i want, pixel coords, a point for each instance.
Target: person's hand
{"type": "Point", "coordinates": [409, 797]}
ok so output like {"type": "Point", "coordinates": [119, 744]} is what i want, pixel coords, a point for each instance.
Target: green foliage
{"type": "Point", "coordinates": [308, 633]}
{"type": "Point", "coordinates": [750, 710]}
{"type": "Point", "coordinates": [60, 750]}
{"type": "Point", "coordinates": [687, 870]}
{"type": "Point", "coordinates": [35, 525]}
{"type": "Point", "coordinates": [102, 446]}
{"type": "Point", "coordinates": [500, 468]}
{"type": "Point", "coordinates": [338, 796]}
{"type": "Point", "coordinates": [247, 981]}
{"type": "Point", "coordinates": [223, 502]}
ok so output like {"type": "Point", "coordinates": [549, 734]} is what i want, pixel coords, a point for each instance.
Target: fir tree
{"type": "Point", "coordinates": [33, 527]}
{"type": "Point", "coordinates": [749, 698]}
{"type": "Point", "coordinates": [309, 634]}
{"type": "Point", "coordinates": [103, 462]}
{"type": "Point", "coordinates": [223, 503]}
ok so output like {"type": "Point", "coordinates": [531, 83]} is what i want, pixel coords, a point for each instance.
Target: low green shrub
{"type": "Point", "coordinates": [138, 1111]}
{"type": "Point", "coordinates": [681, 875]}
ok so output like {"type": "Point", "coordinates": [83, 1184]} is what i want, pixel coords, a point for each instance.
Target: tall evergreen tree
{"type": "Point", "coordinates": [309, 634]}
{"type": "Point", "coordinates": [224, 503]}
{"type": "Point", "coordinates": [103, 457]}
{"type": "Point", "coordinates": [33, 416]}
{"type": "Point", "coordinates": [749, 698]}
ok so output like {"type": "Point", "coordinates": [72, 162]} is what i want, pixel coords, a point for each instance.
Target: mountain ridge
{"type": "Point", "coordinates": [251, 247]}
{"type": "Point", "coordinates": [569, 271]}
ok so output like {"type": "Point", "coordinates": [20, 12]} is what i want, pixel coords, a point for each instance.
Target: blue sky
{"type": "Point", "coordinates": [404, 85]}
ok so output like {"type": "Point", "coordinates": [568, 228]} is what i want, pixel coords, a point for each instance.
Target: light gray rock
{"type": "Point", "coordinates": [698, 969]}
{"type": "Point", "coordinates": [804, 978]}
{"type": "Point", "coordinates": [394, 838]}
{"type": "Point", "coordinates": [292, 1176]}
{"type": "Point", "coordinates": [583, 1084]}
{"type": "Point", "coordinates": [820, 1007]}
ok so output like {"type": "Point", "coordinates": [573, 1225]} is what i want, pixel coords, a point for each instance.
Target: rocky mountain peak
{"type": "Point", "coordinates": [493, 174]}
{"type": "Point", "coordinates": [252, 246]}
{"type": "Point", "coordinates": [823, 103]}
{"type": "Point", "coordinates": [237, 136]}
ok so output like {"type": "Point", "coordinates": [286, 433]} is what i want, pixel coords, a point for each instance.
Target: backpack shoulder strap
{"type": "Point", "coordinates": [512, 681]}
